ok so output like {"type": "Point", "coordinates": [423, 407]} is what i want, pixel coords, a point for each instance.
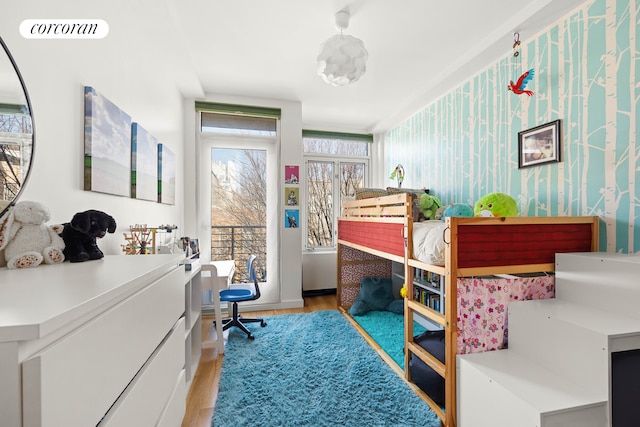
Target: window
{"type": "Point", "coordinates": [336, 165]}
{"type": "Point", "coordinates": [15, 148]}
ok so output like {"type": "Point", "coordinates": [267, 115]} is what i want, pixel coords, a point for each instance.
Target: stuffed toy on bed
{"type": "Point", "coordinates": [496, 205]}
{"type": "Point", "coordinates": [439, 216]}
{"type": "Point", "coordinates": [457, 210]}
{"type": "Point", "coordinates": [26, 238]}
{"type": "Point", "coordinates": [429, 206]}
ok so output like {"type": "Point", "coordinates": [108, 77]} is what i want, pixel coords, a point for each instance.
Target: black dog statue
{"type": "Point", "coordinates": [81, 233]}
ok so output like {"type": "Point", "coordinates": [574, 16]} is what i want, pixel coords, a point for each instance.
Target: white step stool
{"type": "Point", "coordinates": [562, 352]}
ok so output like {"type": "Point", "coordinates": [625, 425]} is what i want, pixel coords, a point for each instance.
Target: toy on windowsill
{"type": "Point", "coordinates": [496, 205]}
{"type": "Point", "coordinates": [26, 239]}
{"type": "Point", "coordinates": [81, 234]}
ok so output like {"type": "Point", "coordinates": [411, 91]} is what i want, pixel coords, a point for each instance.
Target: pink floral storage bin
{"type": "Point", "coordinates": [483, 304]}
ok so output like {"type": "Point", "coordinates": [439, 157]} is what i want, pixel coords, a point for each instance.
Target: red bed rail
{"type": "Point", "coordinates": [384, 237]}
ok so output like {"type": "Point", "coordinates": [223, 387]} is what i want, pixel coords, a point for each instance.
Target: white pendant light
{"type": "Point", "coordinates": [342, 59]}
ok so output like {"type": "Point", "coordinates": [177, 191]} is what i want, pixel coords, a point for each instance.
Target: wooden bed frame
{"type": "Point", "coordinates": [383, 227]}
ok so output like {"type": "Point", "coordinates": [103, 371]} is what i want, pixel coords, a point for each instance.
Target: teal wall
{"type": "Point", "coordinates": [464, 145]}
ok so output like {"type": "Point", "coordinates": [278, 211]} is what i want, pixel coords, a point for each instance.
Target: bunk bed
{"type": "Point", "coordinates": [376, 231]}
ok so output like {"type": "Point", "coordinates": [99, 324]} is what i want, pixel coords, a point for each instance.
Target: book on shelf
{"type": "Point", "coordinates": [428, 278]}
{"type": "Point", "coordinates": [434, 302]}
{"type": "Point", "coordinates": [427, 298]}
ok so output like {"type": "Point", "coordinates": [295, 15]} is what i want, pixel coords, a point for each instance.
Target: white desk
{"type": "Point", "coordinates": [217, 275]}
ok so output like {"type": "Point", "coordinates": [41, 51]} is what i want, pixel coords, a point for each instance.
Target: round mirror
{"type": "Point", "coordinates": [17, 136]}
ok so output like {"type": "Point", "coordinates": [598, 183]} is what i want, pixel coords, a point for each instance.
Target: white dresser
{"type": "Point", "coordinates": [99, 342]}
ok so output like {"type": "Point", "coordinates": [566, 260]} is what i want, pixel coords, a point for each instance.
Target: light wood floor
{"type": "Point", "coordinates": [204, 388]}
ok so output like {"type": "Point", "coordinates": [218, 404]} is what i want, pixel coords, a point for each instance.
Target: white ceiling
{"type": "Point", "coordinates": [418, 49]}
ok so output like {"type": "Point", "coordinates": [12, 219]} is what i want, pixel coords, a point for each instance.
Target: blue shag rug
{"type": "Point", "coordinates": [312, 369]}
{"type": "Point", "coordinates": [387, 329]}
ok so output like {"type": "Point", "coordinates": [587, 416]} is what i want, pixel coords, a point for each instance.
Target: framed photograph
{"type": "Point", "coordinates": [539, 145]}
{"type": "Point", "coordinates": [291, 174]}
{"type": "Point", "coordinates": [291, 218]}
{"type": "Point", "coordinates": [291, 195]}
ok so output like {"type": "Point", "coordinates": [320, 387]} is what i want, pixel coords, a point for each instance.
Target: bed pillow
{"type": "Point", "coordinates": [375, 295]}
{"type": "Point", "coordinates": [367, 193]}
{"type": "Point", "coordinates": [428, 242]}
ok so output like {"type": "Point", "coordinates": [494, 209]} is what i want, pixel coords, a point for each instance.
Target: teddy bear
{"type": "Point", "coordinates": [429, 205]}
{"type": "Point", "coordinates": [81, 233]}
{"type": "Point", "coordinates": [496, 205]}
{"type": "Point", "coordinates": [26, 239]}
{"type": "Point", "coordinates": [439, 213]}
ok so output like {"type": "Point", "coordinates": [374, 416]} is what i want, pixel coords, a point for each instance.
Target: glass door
{"type": "Point", "coordinates": [239, 207]}
{"type": "Point", "coordinates": [241, 204]}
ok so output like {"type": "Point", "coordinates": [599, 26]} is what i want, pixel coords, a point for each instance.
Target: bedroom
{"type": "Point", "coordinates": [55, 73]}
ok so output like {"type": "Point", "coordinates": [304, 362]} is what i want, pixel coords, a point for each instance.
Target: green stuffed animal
{"type": "Point", "coordinates": [496, 205]}
{"type": "Point", "coordinates": [429, 205]}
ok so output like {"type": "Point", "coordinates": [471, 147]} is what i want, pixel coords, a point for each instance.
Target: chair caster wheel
{"type": "Point", "coordinates": [263, 323]}
{"type": "Point", "coordinates": [251, 337]}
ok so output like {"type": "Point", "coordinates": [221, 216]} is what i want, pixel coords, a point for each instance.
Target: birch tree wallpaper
{"type": "Point", "coordinates": [465, 144]}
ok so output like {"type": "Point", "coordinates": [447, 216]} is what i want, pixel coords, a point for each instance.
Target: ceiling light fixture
{"type": "Point", "coordinates": [342, 59]}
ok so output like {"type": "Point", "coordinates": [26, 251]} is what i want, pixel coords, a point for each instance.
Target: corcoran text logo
{"type": "Point", "coordinates": [64, 29]}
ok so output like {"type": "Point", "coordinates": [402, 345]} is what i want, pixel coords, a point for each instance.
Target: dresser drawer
{"type": "Point", "coordinates": [75, 380]}
{"type": "Point", "coordinates": [145, 399]}
{"type": "Point", "coordinates": [177, 406]}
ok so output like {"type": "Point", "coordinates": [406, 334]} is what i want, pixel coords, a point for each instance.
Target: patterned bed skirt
{"type": "Point", "coordinates": [483, 305]}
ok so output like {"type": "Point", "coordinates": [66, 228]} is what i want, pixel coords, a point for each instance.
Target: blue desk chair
{"type": "Point", "coordinates": [239, 293]}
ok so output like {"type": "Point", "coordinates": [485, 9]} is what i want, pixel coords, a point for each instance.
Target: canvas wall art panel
{"type": "Point", "coordinates": [107, 146]}
{"type": "Point", "coordinates": [166, 175]}
{"type": "Point", "coordinates": [144, 164]}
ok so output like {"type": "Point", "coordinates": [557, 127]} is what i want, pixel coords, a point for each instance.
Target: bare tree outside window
{"type": "Point", "coordinates": [238, 206]}
{"type": "Point", "coordinates": [334, 166]}
{"type": "Point", "coordinates": [13, 152]}
{"type": "Point", "coordinates": [320, 203]}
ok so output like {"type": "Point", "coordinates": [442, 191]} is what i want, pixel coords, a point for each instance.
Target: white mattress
{"type": "Point", "coordinates": [428, 241]}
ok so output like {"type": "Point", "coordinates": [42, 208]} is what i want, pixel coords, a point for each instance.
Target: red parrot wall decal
{"type": "Point", "coordinates": [519, 87]}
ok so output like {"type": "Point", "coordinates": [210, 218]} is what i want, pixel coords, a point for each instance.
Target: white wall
{"type": "Point", "coordinates": [133, 68]}
{"type": "Point", "coordinates": [143, 68]}
{"type": "Point", "coordinates": [319, 270]}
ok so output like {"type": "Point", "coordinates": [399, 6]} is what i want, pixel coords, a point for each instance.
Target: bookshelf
{"type": "Point", "coordinates": [428, 289]}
